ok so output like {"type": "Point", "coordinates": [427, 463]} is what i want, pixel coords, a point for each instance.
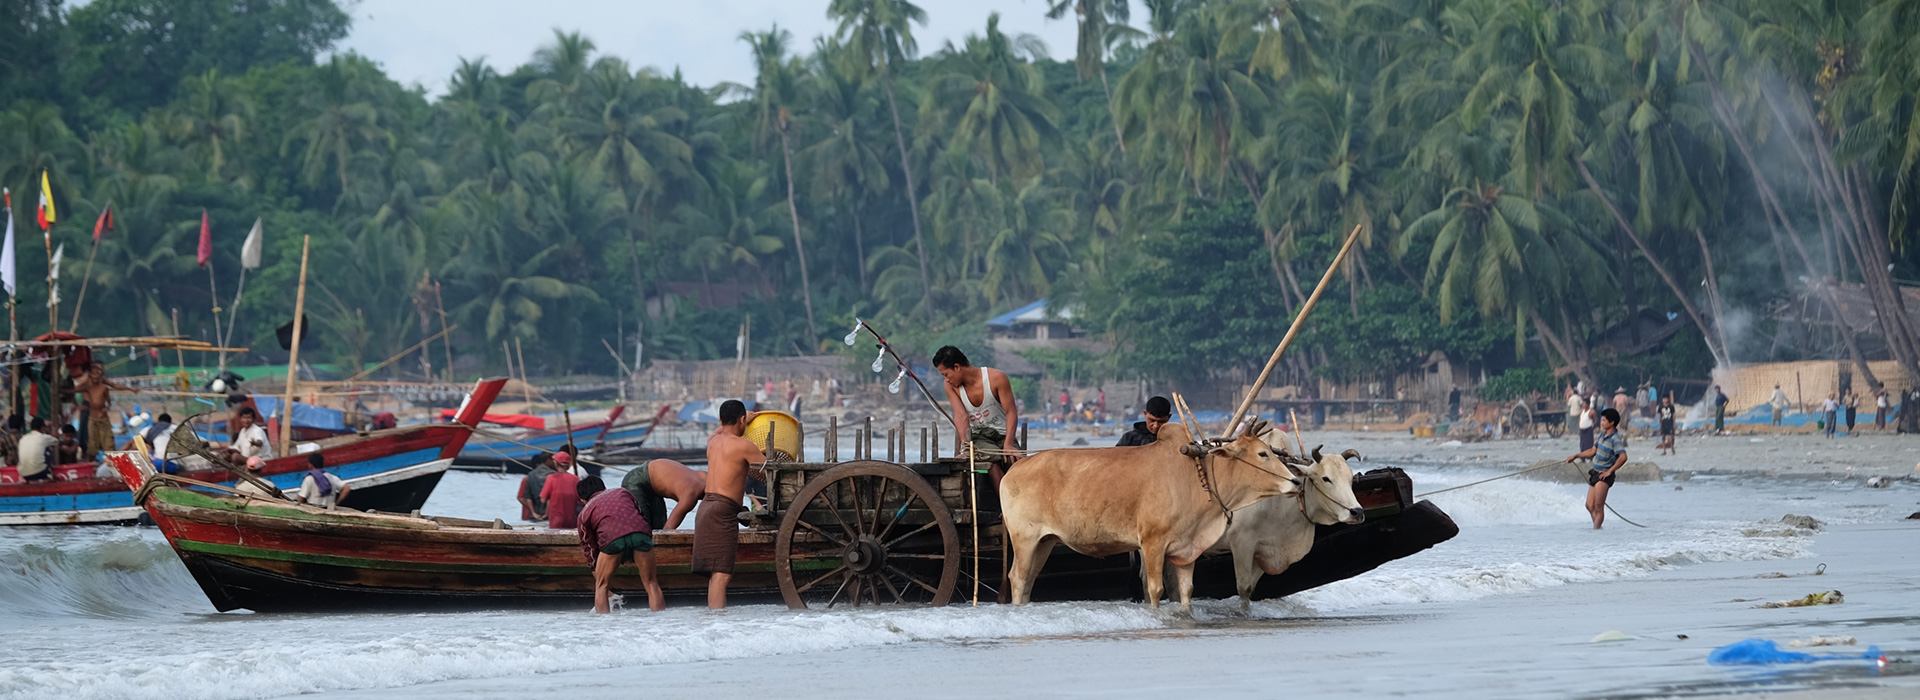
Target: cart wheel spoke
{"type": "Point", "coordinates": [838, 591]}
{"type": "Point", "coordinates": [897, 598]}
{"type": "Point", "coordinates": [923, 528]}
{"type": "Point", "coordinates": [912, 555]}
{"type": "Point", "coordinates": [837, 542]}
{"type": "Point", "coordinates": [822, 577]}
{"type": "Point", "coordinates": [913, 579]}
{"type": "Point", "coordinates": [912, 498]}
{"type": "Point", "coordinates": [835, 510]}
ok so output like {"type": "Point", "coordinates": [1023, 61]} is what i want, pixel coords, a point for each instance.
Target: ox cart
{"type": "Point", "coordinates": [829, 533]}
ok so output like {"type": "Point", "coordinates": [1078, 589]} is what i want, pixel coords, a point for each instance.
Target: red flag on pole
{"type": "Point", "coordinates": [206, 240]}
{"type": "Point", "coordinates": [103, 225]}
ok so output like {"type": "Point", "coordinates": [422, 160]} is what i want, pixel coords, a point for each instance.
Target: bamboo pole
{"type": "Point", "coordinates": [506, 352]}
{"type": "Point", "coordinates": [526, 385]}
{"type": "Point", "coordinates": [403, 353]}
{"type": "Point", "coordinates": [446, 341]}
{"type": "Point", "coordinates": [179, 355]}
{"type": "Point", "coordinates": [84, 279]}
{"type": "Point", "coordinates": [1298, 321]}
{"type": "Point", "coordinates": [293, 356]}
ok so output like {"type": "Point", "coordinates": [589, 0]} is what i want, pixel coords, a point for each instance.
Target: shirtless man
{"type": "Point", "coordinates": [99, 392]}
{"type": "Point", "coordinates": [716, 528]}
{"type": "Point", "coordinates": [987, 421]}
{"type": "Point", "coordinates": [654, 482]}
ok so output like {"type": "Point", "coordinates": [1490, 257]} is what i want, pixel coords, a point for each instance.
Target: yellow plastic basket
{"type": "Point", "coordinates": [787, 437]}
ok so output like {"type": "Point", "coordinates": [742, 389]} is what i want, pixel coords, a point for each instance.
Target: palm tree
{"type": "Point", "coordinates": [1102, 24]}
{"type": "Point", "coordinates": [344, 121]}
{"type": "Point", "coordinates": [881, 32]}
{"type": "Point", "coordinates": [846, 164]}
{"type": "Point", "coordinates": [214, 109]}
{"type": "Point", "coordinates": [989, 100]}
{"type": "Point", "coordinates": [775, 92]}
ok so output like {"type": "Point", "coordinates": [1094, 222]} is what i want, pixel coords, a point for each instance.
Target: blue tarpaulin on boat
{"type": "Point", "coordinates": [304, 415]}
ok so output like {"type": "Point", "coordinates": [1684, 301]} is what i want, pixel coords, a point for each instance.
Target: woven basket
{"type": "Point", "coordinates": [787, 437]}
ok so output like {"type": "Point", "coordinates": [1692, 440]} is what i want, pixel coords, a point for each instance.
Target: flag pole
{"type": "Point", "coordinates": [84, 279]}
{"type": "Point", "coordinates": [214, 291]}
{"type": "Point", "coordinates": [53, 285]}
{"type": "Point", "coordinates": [293, 357]}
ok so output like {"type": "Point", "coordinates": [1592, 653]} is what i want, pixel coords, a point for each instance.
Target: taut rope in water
{"type": "Point", "coordinates": [1523, 471]}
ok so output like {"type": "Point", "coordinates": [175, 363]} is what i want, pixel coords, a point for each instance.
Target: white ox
{"type": "Point", "coordinates": [1272, 534]}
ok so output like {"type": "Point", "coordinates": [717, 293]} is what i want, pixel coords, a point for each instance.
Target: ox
{"type": "Point", "coordinates": [1101, 502]}
{"type": "Point", "coordinates": [1270, 535]}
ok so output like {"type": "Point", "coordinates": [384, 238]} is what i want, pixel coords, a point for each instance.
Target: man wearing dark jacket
{"type": "Point", "coordinates": [1145, 432]}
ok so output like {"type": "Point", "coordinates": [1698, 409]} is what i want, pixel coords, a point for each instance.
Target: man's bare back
{"type": "Point", "coordinates": [674, 480]}
{"type": "Point", "coordinates": [728, 455]}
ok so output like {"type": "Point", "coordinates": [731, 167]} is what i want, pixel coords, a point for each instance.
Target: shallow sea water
{"type": "Point", "coordinates": [109, 612]}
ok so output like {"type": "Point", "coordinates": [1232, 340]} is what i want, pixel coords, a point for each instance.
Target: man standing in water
{"type": "Point", "coordinates": [716, 527]}
{"type": "Point", "coordinates": [612, 529]}
{"type": "Point", "coordinates": [1609, 453]}
{"type": "Point", "coordinates": [1147, 432]}
{"type": "Point", "coordinates": [987, 422]}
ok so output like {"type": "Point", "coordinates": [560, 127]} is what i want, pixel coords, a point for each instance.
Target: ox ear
{"type": "Point", "coordinates": [1350, 453]}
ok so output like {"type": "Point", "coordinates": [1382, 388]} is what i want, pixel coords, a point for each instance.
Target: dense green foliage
{"type": "Point", "coordinates": [1517, 382]}
{"type": "Point", "coordinates": [1182, 185]}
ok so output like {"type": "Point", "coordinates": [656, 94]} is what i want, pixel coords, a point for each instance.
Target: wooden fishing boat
{"type": "Point", "coordinates": [389, 470]}
{"type": "Point", "coordinates": [513, 452]}
{"type": "Point", "coordinates": [270, 555]}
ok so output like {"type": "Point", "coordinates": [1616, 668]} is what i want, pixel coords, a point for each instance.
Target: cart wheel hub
{"type": "Point", "coordinates": [866, 555]}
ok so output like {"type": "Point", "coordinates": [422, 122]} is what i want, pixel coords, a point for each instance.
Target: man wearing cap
{"type": "Point", "coordinates": [561, 492]}
{"type": "Point", "coordinates": [1146, 432]}
{"type": "Point", "coordinates": [654, 482]}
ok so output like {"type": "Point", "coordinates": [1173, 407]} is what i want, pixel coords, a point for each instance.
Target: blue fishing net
{"type": "Point", "coordinates": [1764, 651]}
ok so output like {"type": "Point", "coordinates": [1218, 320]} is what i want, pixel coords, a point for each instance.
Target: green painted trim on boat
{"type": "Point", "coordinates": [228, 550]}
{"type": "Point", "coordinates": [194, 499]}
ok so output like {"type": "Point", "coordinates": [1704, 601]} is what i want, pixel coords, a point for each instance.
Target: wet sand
{"type": "Point", "coordinates": [1868, 454]}
{"type": "Point", "coordinates": [1525, 645]}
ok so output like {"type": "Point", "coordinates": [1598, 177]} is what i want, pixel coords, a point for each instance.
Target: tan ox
{"type": "Point", "coordinates": [1107, 501]}
{"type": "Point", "coordinates": [1269, 536]}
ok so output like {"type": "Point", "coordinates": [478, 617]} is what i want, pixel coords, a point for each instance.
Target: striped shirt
{"type": "Point", "coordinates": [1606, 448]}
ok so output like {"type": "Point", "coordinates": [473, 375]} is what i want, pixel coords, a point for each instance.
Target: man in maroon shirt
{"type": "Point", "coordinates": [611, 527]}
{"type": "Point", "coordinates": [563, 504]}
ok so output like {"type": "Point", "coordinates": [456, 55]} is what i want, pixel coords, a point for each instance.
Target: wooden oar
{"type": "Point", "coordinates": [1298, 321]}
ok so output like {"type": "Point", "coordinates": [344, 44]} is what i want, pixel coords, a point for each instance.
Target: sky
{"type": "Point", "coordinates": [421, 41]}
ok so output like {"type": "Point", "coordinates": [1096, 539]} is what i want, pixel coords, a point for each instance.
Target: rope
{"type": "Point", "coordinates": [1523, 471]}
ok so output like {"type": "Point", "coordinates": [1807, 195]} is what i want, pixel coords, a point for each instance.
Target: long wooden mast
{"type": "Point", "coordinates": [293, 356]}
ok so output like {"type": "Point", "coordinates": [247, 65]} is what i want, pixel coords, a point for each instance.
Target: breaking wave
{"type": "Point", "coordinates": [80, 574]}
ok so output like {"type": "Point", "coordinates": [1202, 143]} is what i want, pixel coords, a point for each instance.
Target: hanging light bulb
{"type": "Point", "coordinates": [894, 388]}
{"type": "Point", "coordinates": [853, 336]}
{"type": "Point", "coordinates": [878, 358]}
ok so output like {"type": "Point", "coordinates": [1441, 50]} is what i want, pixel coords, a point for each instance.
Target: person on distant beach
{"type": "Point", "coordinates": [1665, 414]}
{"type": "Point", "coordinates": [533, 508]}
{"type": "Point", "coordinates": [716, 526]}
{"type": "Point", "coordinates": [1779, 403]}
{"type": "Point", "coordinates": [1147, 431]}
{"type": "Point", "coordinates": [987, 423]}
{"type": "Point", "coordinates": [1852, 404]}
{"type": "Point", "coordinates": [654, 482]}
{"type": "Point", "coordinates": [1719, 410]}
{"type": "Point", "coordinates": [98, 389]}
{"type": "Point", "coordinates": [1609, 453]}
{"type": "Point", "coordinates": [320, 488]}
{"type": "Point", "coordinates": [611, 529]}
{"type": "Point", "coordinates": [35, 448]}
{"type": "Point", "coordinates": [1622, 403]}
{"type": "Point", "coordinates": [1641, 402]}
{"type": "Point", "coordinates": [560, 494]}
{"type": "Point", "coordinates": [1829, 411]}
{"type": "Point", "coordinates": [1588, 420]}
{"type": "Point", "coordinates": [1880, 409]}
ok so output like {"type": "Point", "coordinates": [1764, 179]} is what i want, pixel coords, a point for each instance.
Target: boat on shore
{"type": "Point", "coordinates": [514, 452]}
{"type": "Point", "coordinates": [268, 555]}
{"type": "Point", "coordinates": [395, 469]}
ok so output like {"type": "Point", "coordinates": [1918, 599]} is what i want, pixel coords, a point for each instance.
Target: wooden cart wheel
{"type": "Point", "coordinates": [1520, 419]}
{"type": "Point", "coordinates": [879, 534]}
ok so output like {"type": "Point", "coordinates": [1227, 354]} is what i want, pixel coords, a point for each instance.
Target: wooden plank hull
{"type": "Point", "coordinates": [273, 556]}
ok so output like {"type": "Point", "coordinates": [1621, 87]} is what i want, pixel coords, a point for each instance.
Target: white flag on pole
{"type": "Point", "coordinates": [53, 276]}
{"type": "Point", "coordinates": [250, 250]}
{"type": "Point", "coordinates": [7, 275]}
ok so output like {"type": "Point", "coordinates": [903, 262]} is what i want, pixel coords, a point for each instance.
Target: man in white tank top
{"type": "Point", "coordinates": [984, 412]}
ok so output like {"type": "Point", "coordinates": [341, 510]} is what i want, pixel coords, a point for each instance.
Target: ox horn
{"type": "Point", "coordinates": [1316, 452]}
{"type": "Point", "coordinates": [1350, 454]}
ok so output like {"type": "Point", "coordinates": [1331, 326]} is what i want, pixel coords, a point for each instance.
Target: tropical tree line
{"type": "Point", "coordinates": [1522, 173]}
